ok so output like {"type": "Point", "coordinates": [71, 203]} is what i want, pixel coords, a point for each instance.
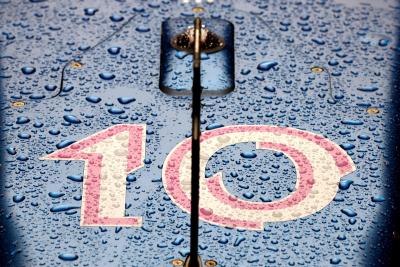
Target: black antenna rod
{"type": "Point", "coordinates": [196, 132]}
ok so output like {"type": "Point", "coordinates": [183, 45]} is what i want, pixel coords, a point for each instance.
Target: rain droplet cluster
{"type": "Point", "coordinates": [277, 42]}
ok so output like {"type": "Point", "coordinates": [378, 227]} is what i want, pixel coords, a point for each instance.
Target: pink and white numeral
{"type": "Point", "coordinates": [319, 163]}
{"type": "Point", "coordinates": [109, 156]}
{"type": "Point", "coordinates": [119, 150]}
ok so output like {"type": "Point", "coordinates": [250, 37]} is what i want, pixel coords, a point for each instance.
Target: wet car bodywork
{"type": "Point", "coordinates": [70, 70]}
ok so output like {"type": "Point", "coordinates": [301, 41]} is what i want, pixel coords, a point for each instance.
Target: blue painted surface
{"type": "Point", "coordinates": [39, 37]}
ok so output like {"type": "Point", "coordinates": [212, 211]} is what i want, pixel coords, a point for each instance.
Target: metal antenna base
{"type": "Point", "coordinates": [188, 263]}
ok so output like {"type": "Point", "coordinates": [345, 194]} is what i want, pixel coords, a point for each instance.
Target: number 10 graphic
{"type": "Point", "coordinates": [110, 155]}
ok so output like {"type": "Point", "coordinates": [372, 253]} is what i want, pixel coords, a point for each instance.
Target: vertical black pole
{"type": "Point", "coordinates": [196, 106]}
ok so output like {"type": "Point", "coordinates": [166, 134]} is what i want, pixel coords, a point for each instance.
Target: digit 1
{"type": "Point", "coordinates": [109, 155]}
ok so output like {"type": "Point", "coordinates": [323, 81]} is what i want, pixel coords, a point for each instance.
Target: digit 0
{"type": "Point", "coordinates": [319, 163]}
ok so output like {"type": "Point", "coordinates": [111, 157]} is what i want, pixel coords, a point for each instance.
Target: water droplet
{"type": "Point", "coordinates": [261, 37]}
{"type": "Point", "coordinates": [214, 126]}
{"type": "Point", "coordinates": [83, 48]}
{"type": "Point", "coordinates": [75, 178]}
{"type": "Point", "coordinates": [24, 135]}
{"type": "Point", "coordinates": [349, 212]}
{"type": "Point", "coordinates": [18, 198]}
{"type": "Point", "coordinates": [267, 65]}
{"type": "Point", "coordinates": [54, 132]}
{"type": "Point", "coordinates": [181, 54]}
{"type": "Point", "coordinates": [114, 50]}
{"type": "Point", "coordinates": [335, 261]}
{"type": "Point", "coordinates": [116, 18]}
{"type": "Point", "coordinates": [347, 146]}
{"type": "Point", "coordinates": [245, 71]}
{"type": "Point", "coordinates": [204, 56]}
{"type": "Point", "coordinates": [248, 195]}
{"type": "Point", "coordinates": [93, 99]}
{"type": "Point", "coordinates": [11, 151]}
{"type": "Point", "coordinates": [131, 178]}
{"type": "Point", "coordinates": [63, 207]}
{"type": "Point", "coordinates": [368, 88]}
{"type": "Point", "coordinates": [64, 143]}
{"type": "Point", "coordinates": [71, 119]}
{"type": "Point", "coordinates": [22, 158]}
{"type": "Point", "coordinates": [383, 42]}
{"type": "Point", "coordinates": [68, 257]}
{"type": "Point", "coordinates": [269, 88]}
{"type": "Point", "coordinates": [28, 70]}
{"type": "Point", "coordinates": [223, 241]}
{"type": "Point", "coordinates": [142, 29]}
{"type": "Point", "coordinates": [177, 241]}
{"type": "Point", "coordinates": [206, 211]}
{"type": "Point", "coordinates": [106, 76]}
{"type": "Point", "coordinates": [126, 100]}
{"type": "Point", "coordinates": [38, 124]}
{"type": "Point", "coordinates": [238, 241]}
{"type": "Point", "coordinates": [352, 221]}
{"type": "Point", "coordinates": [49, 87]}
{"type": "Point", "coordinates": [90, 11]}
{"type": "Point", "coordinates": [333, 62]}
{"type": "Point", "coordinates": [352, 122]}
{"type": "Point", "coordinates": [56, 194]}
{"type": "Point", "coordinates": [363, 137]}
{"type": "Point", "coordinates": [345, 184]}
{"type": "Point", "coordinates": [318, 41]}
{"type": "Point", "coordinates": [115, 111]}
{"type": "Point", "coordinates": [378, 198]}
{"type": "Point", "coordinates": [248, 155]}
{"type": "Point", "coordinates": [23, 120]}
{"type": "Point", "coordinates": [37, 96]}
